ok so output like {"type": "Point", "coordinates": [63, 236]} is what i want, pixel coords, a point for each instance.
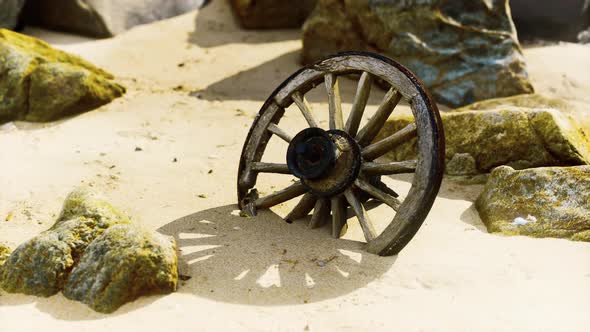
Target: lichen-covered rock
{"type": "Point", "coordinates": [461, 164]}
{"type": "Point", "coordinates": [539, 202]}
{"type": "Point", "coordinates": [464, 51]}
{"type": "Point", "coordinates": [104, 18]}
{"type": "Point", "coordinates": [272, 14]}
{"type": "Point", "coordinates": [40, 83]}
{"type": "Point", "coordinates": [9, 13]}
{"type": "Point", "coordinates": [497, 133]}
{"type": "Point", "coordinates": [41, 265]}
{"type": "Point", "coordinates": [125, 262]}
{"type": "Point", "coordinates": [4, 253]}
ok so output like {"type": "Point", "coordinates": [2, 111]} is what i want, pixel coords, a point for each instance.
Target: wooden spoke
{"type": "Point", "coordinates": [365, 186]}
{"type": "Point", "coordinates": [305, 109]}
{"type": "Point", "coordinates": [270, 168]}
{"type": "Point", "coordinates": [360, 102]}
{"type": "Point", "coordinates": [292, 191]}
{"type": "Point", "coordinates": [371, 129]}
{"type": "Point", "coordinates": [321, 213]}
{"type": "Point", "coordinates": [273, 128]}
{"type": "Point", "coordinates": [385, 145]}
{"type": "Point", "coordinates": [361, 214]}
{"type": "Point", "coordinates": [396, 167]}
{"type": "Point", "coordinates": [338, 216]}
{"type": "Point", "coordinates": [335, 103]}
{"type": "Point", "coordinates": [302, 208]}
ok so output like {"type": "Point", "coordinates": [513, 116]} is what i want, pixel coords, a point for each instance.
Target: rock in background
{"type": "Point", "coordinates": [90, 259]}
{"type": "Point", "coordinates": [103, 18]}
{"type": "Point", "coordinates": [540, 202]}
{"type": "Point", "coordinates": [464, 50]}
{"type": "Point", "coordinates": [41, 83]}
{"type": "Point", "coordinates": [272, 14]}
{"type": "Point", "coordinates": [9, 13]}
{"type": "Point", "coordinates": [553, 20]}
{"type": "Point", "coordinates": [522, 132]}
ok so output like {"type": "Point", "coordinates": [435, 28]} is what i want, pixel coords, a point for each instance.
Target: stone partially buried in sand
{"type": "Point", "coordinates": [41, 83]}
{"type": "Point", "coordinates": [464, 51]}
{"type": "Point", "coordinates": [122, 264]}
{"type": "Point", "coordinates": [539, 202]}
{"type": "Point", "coordinates": [520, 132]}
{"type": "Point", "coordinates": [41, 265]}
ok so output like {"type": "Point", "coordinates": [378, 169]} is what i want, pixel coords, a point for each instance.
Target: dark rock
{"type": "Point", "coordinates": [464, 50]}
{"type": "Point", "coordinates": [272, 14]}
{"type": "Point", "coordinates": [550, 20]}
{"type": "Point", "coordinates": [9, 13]}
{"type": "Point", "coordinates": [41, 83]}
{"type": "Point", "coordinates": [124, 263]}
{"type": "Point", "coordinates": [538, 202]}
{"type": "Point", "coordinates": [103, 18]}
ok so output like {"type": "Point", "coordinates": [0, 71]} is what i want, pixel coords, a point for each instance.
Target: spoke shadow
{"type": "Point", "coordinates": [265, 261]}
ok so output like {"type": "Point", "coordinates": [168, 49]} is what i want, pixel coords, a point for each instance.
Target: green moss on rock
{"type": "Point", "coordinates": [539, 202]}
{"type": "Point", "coordinates": [125, 262]}
{"type": "Point", "coordinates": [4, 253]}
{"type": "Point", "coordinates": [41, 83]}
{"type": "Point", "coordinates": [520, 137]}
{"type": "Point", "coordinates": [464, 51]}
{"type": "Point", "coordinates": [41, 265]}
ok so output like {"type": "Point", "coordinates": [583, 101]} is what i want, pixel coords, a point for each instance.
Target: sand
{"type": "Point", "coordinates": [195, 83]}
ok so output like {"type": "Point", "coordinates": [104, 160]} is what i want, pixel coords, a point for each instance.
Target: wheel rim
{"type": "Point", "coordinates": [332, 204]}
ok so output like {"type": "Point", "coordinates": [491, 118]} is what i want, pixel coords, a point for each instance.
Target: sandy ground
{"type": "Point", "coordinates": [195, 83]}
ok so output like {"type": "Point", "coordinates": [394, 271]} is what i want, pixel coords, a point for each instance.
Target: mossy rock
{"type": "Point", "coordinates": [41, 265]}
{"type": "Point", "coordinates": [539, 202]}
{"type": "Point", "coordinates": [464, 51]}
{"type": "Point", "coordinates": [122, 264]}
{"type": "Point", "coordinates": [42, 84]}
{"type": "Point", "coordinates": [4, 253]}
{"type": "Point", "coordinates": [501, 134]}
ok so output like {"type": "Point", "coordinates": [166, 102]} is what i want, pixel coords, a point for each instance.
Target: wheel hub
{"type": "Point", "coordinates": [327, 162]}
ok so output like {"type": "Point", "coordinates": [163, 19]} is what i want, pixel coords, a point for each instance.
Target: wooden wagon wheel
{"type": "Point", "coordinates": [337, 168]}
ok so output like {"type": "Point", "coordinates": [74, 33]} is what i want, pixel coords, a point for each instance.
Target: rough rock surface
{"type": "Point", "coordinates": [464, 51]}
{"type": "Point", "coordinates": [104, 18]}
{"type": "Point", "coordinates": [4, 253]}
{"type": "Point", "coordinates": [122, 264]}
{"type": "Point", "coordinates": [498, 132]}
{"type": "Point", "coordinates": [41, 83]}
{"type": "Point", "coordinates": [41, 265]}
{"type": "Point", "coordinates": [539, 202]}
{"type": "Point", "coordinates": [9, 13]}
{"type": "Point", "coordinates": [272, 14]}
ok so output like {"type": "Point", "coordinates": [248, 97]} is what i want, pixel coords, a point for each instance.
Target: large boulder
{"type": "Point", "coordinates": [556, 20]}
{"type": "Point", "coordinates": [272, 14]}
{"type": "Point", "coordinates": [41, 83]}
{"type": "Point", "coordinates": [464, 50]}
{"type": "Point", "coordinates": [124, 263]}
{"type": "Point", "coordinates": [9, 13]}
{"type": "Point", "coordinates": [539, 202]}
{"type": "Point", "coordinates": [103, 18]}
{"type": "Point", "coordinates": [521, 132]}
{"type": "Point", "coordinates": [41, 265]}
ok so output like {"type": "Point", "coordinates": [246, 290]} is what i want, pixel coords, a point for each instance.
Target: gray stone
{"type": "Point", "coordinates": [104, 18]}
{"type": "Point", "coordinates": [125, 262]}
{"type": "Point", "coordinates": [538, 202]}
{"type": "Point", "coordinates": [272, 14]}
{"type": "Point", "coordinates": [464, 50]}
{"type": "Point", "coordinates": [9, 13]}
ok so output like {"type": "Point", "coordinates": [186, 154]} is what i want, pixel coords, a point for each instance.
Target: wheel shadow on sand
{"type": "Point", "coordinates": [265, 261]}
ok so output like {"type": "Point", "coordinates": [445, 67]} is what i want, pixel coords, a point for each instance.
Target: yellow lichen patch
{"type": "Point", "coordinates": [539, 202]}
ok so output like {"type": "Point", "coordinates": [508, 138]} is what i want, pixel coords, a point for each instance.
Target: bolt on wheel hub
{"type": "Point", "coordinates": [327, 162]}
